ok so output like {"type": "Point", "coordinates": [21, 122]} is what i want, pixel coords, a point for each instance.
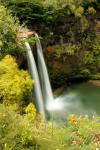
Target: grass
{"type": "Point", "coordinates": [80, 133]}
{"type": "Point", "coordinates": [24, 132]}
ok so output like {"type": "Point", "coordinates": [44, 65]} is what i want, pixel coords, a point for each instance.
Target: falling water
{"type": "Point", "coordinates": [43, 73]}
{"type": "Point", "coordinates": [35, 77]}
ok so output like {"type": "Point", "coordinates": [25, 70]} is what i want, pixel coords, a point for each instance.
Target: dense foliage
{"type": "Point", "coordinates": [70, 27]}
{"type": "Point", "coordinates": [21, 133]}
{"type": "Point", "coordinates": [9, 27]}
{"type": "Point", "coordinates": [15, 131]}
{"type": "Point", "coordinates": [50, 16]}
{"type": "Point", "coordinates": [70, 31]}
{"type": "Point", "coordinates": [15, 84]}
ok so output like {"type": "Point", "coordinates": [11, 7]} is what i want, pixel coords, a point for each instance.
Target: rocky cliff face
{"type": "Point", "coordinates": [73, 50]}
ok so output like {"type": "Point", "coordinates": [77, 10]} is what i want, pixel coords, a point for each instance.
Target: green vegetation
{"type": "Point", "coordinates": [21, 133]}
{"type": "Point", "coordinates": [9, 27]}
{"type": "Point", "coordinates": [71, 28]}
{"type": "Point", "coordinates": [15, 131]}
{"type": "Point", "coordinates": [15, 84]}
{"type": "Point", "coordinates": [70, 36]}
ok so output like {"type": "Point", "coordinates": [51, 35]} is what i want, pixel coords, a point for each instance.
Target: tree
{"type": "Point", "coordinates": [9, 27]}
{"type": "Point", "coordinates": [15, 85]}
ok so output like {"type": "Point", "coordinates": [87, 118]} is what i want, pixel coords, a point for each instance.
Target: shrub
{"type": "Point", "coordinates": [85, 72]}
{"type": "Point", "coordinates": [71, 49]}
{"type": "Point", "coordinates": [88, 58]}
{"type": "Point", "coordinates": [15, 131]}
{"type": "Point", "coordinates": [58, 51]}
{"type": "Point", "coordinates": [57, 77]}
{"type": "Point", "coordinates": [96, 76]}
{"type": "Point", "coordinates": [79, 11]}
{"type": "Point", "coordinates": [30, 111]}
{"type": "Point", "coordinates": [91, 10]}
{"type": "Point", "coordinates": [15, 84]}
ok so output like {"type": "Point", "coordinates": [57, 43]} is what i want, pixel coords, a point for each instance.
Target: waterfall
{"type": "Point", "coordinates": [42, 87]}
{"type": "Point", "coordinates": [43, 73]}
{"type": "Point", "coordinates": [35, 77]}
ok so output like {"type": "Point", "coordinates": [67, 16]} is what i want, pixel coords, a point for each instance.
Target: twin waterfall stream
{"type": "Point", "coordinates": [42, 88]}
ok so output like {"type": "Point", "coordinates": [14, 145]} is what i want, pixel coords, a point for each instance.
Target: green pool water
{"type": "Point", "coordinates": [80, 99]}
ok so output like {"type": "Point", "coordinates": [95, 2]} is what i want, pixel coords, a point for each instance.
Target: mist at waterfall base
{"type": "Point", "coordinates": [80, 99]}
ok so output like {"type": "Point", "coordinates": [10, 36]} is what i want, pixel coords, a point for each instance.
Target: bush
{"type": "Point", "coordinates": [79, 11]}
{"type": "Point", "coordinates": [85, 72]}
{"type": "Point", "coordinates": [96, 76]}
{"type": "Point", "coordinates": [57, 77]}
{"type": "Point", "coordinates": [91, 10]}
{"type": "Point", "coordinates": [30, 111]}
{"type": "Point", "coordinates": [15, 131]}
{"type": "Point", "coordinates": [15, 84]}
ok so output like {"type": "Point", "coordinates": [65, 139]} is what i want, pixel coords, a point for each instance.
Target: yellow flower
{"type": "Point", "coordinates": [73, 119]}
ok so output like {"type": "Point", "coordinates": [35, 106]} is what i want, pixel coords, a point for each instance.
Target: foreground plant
{"type": "Point", "coordinates": [15, 131]}
{"type": "Point", "coordinates": [19, 132]}
{"type": "Point", "coordinates": [15, 84]}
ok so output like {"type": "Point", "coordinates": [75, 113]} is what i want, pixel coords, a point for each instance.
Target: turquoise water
{"type": "Point", "coordinates": [80, 99]}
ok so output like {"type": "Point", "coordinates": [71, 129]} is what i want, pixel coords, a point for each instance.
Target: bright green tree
{"type": "Point", "coordinates": [9, 27]}
{"type": "Point", "coordinates": [15, 84]}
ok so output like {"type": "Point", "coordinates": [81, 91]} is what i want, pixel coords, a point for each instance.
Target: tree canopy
{"type": "Point", "coordinates": [15, 85]}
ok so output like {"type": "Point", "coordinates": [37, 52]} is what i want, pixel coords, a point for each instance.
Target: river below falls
{"type": "Point", "coordinates": [80, 99]}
